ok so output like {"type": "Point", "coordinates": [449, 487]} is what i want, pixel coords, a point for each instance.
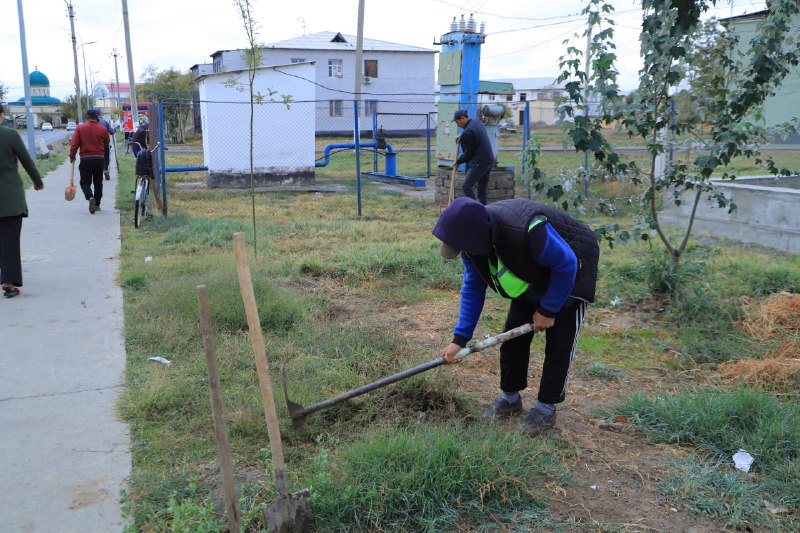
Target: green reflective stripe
{"type": "Point", "coordinates": [507, 283]}
{"type": "Point", "coordinates": [534, 224]}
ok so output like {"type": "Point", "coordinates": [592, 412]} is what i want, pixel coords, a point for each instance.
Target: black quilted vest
{"type": "Point", "coordinates": [510, 220]}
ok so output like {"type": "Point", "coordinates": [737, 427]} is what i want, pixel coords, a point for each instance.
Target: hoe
{"type": "Point", "coordinates": [298, 412]}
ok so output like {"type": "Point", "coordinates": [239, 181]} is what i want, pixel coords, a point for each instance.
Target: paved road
{"type": "Point", "coordinates": [64, 456]}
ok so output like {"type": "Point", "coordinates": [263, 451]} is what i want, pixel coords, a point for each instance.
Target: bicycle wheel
{"type": "Point", "coordinates": [140, 203]}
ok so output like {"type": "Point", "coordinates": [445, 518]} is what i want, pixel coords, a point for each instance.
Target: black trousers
{"type": "Point", "coordinates": [107, 157]}
{"type": "Point", "coordinates": [91, 171]}
{"type": "Point", "coordinates": [10, 257]}
{"type": "Point", "coordinates": [561, 341]}
{"type": "Point", "coordinates": [479, 174]}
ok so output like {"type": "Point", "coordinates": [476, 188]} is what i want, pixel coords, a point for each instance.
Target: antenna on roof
{"type": "Point", "coordinates": [302, 22]}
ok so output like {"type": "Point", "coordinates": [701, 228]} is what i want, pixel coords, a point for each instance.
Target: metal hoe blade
{"type": "Point", "coordinates": [298, 412]}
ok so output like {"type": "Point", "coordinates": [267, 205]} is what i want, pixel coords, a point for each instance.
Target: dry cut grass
{"type": "Point", "coordinates": [775, 319]}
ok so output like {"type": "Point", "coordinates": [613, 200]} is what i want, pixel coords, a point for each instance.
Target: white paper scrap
{"type": "Point", "coordinates": [742, 460]}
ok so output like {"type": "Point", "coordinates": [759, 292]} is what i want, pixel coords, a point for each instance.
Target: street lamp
{"type": "Point", "coordinates": [85, 79]}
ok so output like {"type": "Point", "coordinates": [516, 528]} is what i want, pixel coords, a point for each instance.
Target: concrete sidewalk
{"type": "Point", "coordinates": [64, 455]}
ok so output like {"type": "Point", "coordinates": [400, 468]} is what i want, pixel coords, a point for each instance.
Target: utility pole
{"type": "Point", "coordinates": [85, 77]}
{"type": "Point", "coordinates": [116, 73]}
{"type": "Point", "coordinates": [26, 77]}
{"type": "Point", "coordinates": [75, 58]}
{"type": "Point", "coordinates": [131, 77]}
{"type": "Point", "coordinates": [359, 54]}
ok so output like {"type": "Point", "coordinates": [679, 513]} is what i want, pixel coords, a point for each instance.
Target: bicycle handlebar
{"type": "Point", "coordinates": [140, 146]}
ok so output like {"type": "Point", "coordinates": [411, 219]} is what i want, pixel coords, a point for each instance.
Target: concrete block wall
{"type": "Point", "coordinates": [501, 185]}
{"type": "Point", "coordinates": [767, 212]}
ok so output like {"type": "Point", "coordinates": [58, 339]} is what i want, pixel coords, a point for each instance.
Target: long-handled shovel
{"type": "Point", "coordinates": [69, 192]}
{"type": "Point", "coordinates": [288, 514]}
{"type": "Point", "coordinates": [453, 178]}
{"type": "Point", "coordinates": [298, 412]}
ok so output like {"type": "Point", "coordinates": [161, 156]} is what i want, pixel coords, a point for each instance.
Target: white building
{"type": "Point", "coordinates": [543, 94]}
{"type": "Point", "coordinates": [283, 143]}
{"type": "Point", "coordinates": [397, 78]}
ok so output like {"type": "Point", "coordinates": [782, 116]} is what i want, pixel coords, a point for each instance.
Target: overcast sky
{"type": "Point", "coordinates": [524, 37]}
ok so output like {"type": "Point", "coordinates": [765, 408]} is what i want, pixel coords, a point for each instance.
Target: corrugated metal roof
{"type": "Point", "coordinates": [331, 40]}
{"type": "Point", "coordinates": [495, 87]}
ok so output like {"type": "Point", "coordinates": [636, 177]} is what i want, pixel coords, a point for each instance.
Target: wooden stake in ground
{"type": "Point", "coordinates": [287, 514]}
{"type": "Point", "coordinates": [232, 511]}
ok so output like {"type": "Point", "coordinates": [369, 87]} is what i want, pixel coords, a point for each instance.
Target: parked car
{"type": "Point", "coordinates": [71, 126]}
{"type": "Point", "coordinates": [46, 126]}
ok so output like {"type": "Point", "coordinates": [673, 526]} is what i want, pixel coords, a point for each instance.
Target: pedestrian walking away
{"type": "Point", "coordinates": [13, 207]}
{"type": "Point", "coordinates": [476, 153]}
{"type": "Point", "coordinates": [111, 131]}
{"type": "Point", "coordinates": [542, 260]}
{"type": "Point", "coordinates": [91, 139]}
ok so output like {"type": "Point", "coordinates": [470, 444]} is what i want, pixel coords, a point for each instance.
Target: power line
{"type": "Point", "coordinates": [549, 40]}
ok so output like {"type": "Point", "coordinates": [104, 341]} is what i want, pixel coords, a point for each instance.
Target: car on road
{"type": "Point", "coordinates": [71, 126]}
{"type": "Point", "coordinates": [46, 126]}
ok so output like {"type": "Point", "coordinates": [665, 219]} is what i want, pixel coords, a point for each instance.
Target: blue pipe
{"type": "Point", "coordinates": [372, 144]}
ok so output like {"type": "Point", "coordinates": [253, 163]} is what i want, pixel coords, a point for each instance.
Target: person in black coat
{"type": "Point", "coordinates": [140, 136]}
{"type": "Point", "coordinates": [476, 152]}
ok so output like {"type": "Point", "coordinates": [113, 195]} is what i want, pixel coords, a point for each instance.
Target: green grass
{"type": "Point", "coordinates": [429, 478]}
{"type": "Point", "coordinates": [719, 423]}
{"type": "Point", "coordinates": [346, 300]}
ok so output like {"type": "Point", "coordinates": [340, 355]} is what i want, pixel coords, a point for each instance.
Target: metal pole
{"type": "Point", "coordinates": [359, 70]}
{"type": "Point", "coordinates": [428, 141]}
{"type": "Point", "coordinates": [75, 59]}
{"type": "Point", "coordinates": [162, 163]}
{"type": "Point", "coordinates": [375, 138]}
{"type": "Point", "coordinates": [131, 77]}
{"type": "Point", "coordinates": [116, 73]}
{"type": "Point", "coordinates": [526, 136]}
{"type": "Point", "coordinates": [358, 154]}
{"type": "Point", "coordinates": [85, 77]}
{"type": "Point", "coordinates": [26, 77]}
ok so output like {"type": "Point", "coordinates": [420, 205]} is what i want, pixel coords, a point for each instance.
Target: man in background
{"type": "Point", "coordinates": [111, 131]}
{"type": "Point", "coordinates": [476, 152]}
{"type": "Point", "coordinates": [91, 138]}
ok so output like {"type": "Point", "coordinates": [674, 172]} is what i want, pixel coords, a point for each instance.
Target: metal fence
{"type": "Point", "coordinates": [207, 148]}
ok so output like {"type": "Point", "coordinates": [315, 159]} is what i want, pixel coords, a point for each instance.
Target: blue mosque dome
{"type": "Point", "coordinates": [39, 80]}
{"type": "Point", "coordinates": [40, 91]}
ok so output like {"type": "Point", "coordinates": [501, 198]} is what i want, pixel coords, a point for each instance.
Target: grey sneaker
{"type": "Point", "coordinates": [502, 409]}
{"type": "Point", "coordinates": [107, 175]}
{"type": "Point", "coordinates": [92, 205]}
{"type": "Point", "coordinates": [537, 422]}
{"type": "Point", "coordinates": [97, 208]}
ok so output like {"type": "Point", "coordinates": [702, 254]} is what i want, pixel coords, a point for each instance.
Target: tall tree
{"type": "Point", "coordinates": [174, 89]}
{"type": "Point", "coordinates": [3, 91]}
{"type": "Point", "coordinates": [675, 46]}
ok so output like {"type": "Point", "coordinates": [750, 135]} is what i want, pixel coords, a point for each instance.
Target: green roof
{"type": "Point", "coordinates": [495, 87]}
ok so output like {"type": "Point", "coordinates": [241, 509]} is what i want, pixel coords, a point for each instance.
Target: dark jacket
{"type": "Point", "coordinates": [512, 240]}
{"type": "Point", "coordinates": [91, 138]}
{"type": "Point", "coordinates": [12, 193]}
{"type": "Point", "coordinates": [140, 136]}
{"type": "Point", "coordinates": [475, 145]}
{"type": "Point", "coordinates": [554, 253]}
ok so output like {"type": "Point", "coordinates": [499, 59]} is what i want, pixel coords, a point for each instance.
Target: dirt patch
{"type": "Point", "coordinates": [612, 483]}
